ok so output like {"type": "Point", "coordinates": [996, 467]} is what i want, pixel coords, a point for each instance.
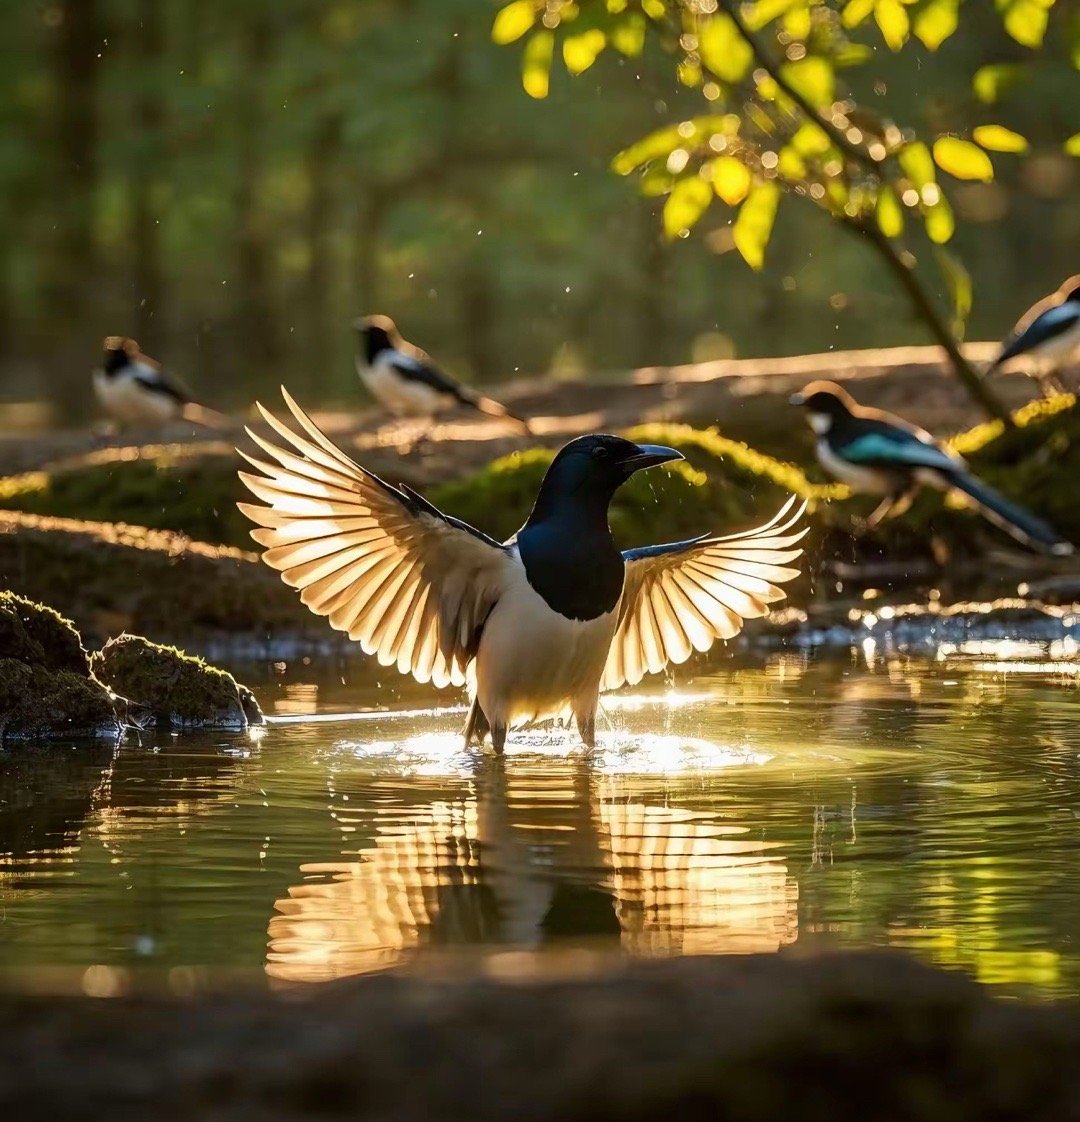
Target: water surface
{"type": "Point", "coordinates": [794, 802]}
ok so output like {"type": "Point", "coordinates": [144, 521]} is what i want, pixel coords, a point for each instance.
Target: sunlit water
{"type": "Point", "coordinates": [796, 803]}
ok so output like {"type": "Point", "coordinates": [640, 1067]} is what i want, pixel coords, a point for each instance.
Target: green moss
{"type": "Point", "coordinates": [39, 636]}
{"type": "Point", "coordinates": [721, 484]}
{"type": "Point", "coordinates": [190, 489]}
{"type": "Point", "coordinates": [181, 691]}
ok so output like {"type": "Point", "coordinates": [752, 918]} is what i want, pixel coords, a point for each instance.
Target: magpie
{"type": "Point", "coordinates": [134, 389]}
{"type": "Point", "coordinates": [404, 379]}
{"type": "Point", "coordinates": [1048, 333]}
{"type": "Point", "coordinates": [876, 453]}
{"type": "Point", "coordinates": [536, 626]}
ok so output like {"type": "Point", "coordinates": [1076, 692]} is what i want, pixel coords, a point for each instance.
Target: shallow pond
{"type": "Point", "coordinates": [796, 801]}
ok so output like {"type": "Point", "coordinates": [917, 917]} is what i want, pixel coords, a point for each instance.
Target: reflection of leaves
{"type": "Point", "coordinates": [731, 179]}
{"type": "Point", "coordinates": [723, 50]}
{"type": "Point", "coordinates": [935, 21]}
{"type": "Point", "coordinates": [889, 214]}
{"type": "Point", "coordinates": [958, 281]}
{"type": "Point", "coordinates": [581, 51]}
{"type": "Point", "coordinates": [754, 224]}
{"type": "Point", "coordinates": [892, 19]}
{"type": "Point", "coordinates": [997, 138]}
{"type": "Point", "coordinates": [962, 159]}
{"type": "Point", "coordinates": [688, 201]}
{"type": "Point", "coordinates": [513, 21]}
{"type": "Point", "coordinates": [813, 78]}
{"type": "Point", "coordinates": [536, 64]}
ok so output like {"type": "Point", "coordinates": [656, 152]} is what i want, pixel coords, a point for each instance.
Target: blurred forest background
{"type": "Point", "coordinates": [232, 183]}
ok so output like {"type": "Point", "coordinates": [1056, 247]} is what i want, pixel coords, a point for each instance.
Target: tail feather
{"type": "Point", "coordinates": [203, 415]}
{"type": "Point", "coordinates": [493, 408]}
{"type": "Point", "coordinates": [1014, 519]}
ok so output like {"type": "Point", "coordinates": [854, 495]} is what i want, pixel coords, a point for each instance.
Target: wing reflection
{"type": "Point", "coordinates": [547, 853]}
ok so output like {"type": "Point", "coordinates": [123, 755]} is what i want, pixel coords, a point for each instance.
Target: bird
{"type": "Point", "coordinates": [877, 453]}
{"type": "Point", "coordinates": [535, 627]}
{"type": "Point", "coordinates": [404, 379]}
{"type": "Point", "coordinates": [134, 389]}
{"type": "Point", "coordinates": [1048, 333]}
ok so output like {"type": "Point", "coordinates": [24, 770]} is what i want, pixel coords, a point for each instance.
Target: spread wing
{"type": "Point", "coordinates": [416, 369]}
{"type": "Point", "coordinates": [410, 584]}
{"type": "Point", "coordinates": [682, 597]}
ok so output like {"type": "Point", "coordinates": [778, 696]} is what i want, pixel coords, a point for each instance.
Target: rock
{"type": "Point", "coordinates": [179, 691]}
{"type": "Point", "coordinates": [46, 688]}
{"type": "Point", "coordinates": [760, 1039]}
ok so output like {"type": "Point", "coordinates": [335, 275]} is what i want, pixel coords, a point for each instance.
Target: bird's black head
{"type": "Point", "coordinates": [824, 399]}
{"type": "Point", "coordinates": [119, 352]}
{"type": "Point", "coordinates": [589, 470]}
{"type": "Point", "coordinates": [377, 334]}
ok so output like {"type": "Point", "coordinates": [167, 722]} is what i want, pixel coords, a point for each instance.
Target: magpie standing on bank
{"type": "Point", "coordinates": [876, 453]}
{"type": "Point", "coordinates": [403, 378]}
{"type": "Point", "coordinates": [1048, 334]}
{"type": "Point", "coordinates": [536, 626]}
{"type": "Point", "coordinates": [133, 389]}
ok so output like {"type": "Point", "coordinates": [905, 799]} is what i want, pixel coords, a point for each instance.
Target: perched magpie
{"type": "Point", "coordinates": [1048, 333]}
{"type": "Point", "coordinates": [876, 453]}
{"type": "Point", "coordinates": [405, 380]}
{"type": "Point", "coordinates": [134, 389]}
{"type": "Point", "coordinates": [536, 626]}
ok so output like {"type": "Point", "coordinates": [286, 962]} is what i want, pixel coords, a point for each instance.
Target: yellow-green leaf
{"type": "Point", "coordinates": [1025, 21]}
{"type": "Point", "coordinates": [917, 164]}
{"type": "Point", "coordinates": [958, 282]}
{"type": "Point", "coordinates": [889, 213]}
{"type": "Point", "coordinates": [962, 159]}
{"type": "Point", "coordinates": [723, 50]}
{"type": "Point", "coordinates": [689, 73]}
{"type": "Point", "coordinates": [688, 201]}
{"type": "Point", "coordinates": [856, 12]}
{"type": "Point", "coordinates": [892, 18]}
{"type": "Point", "coordinates": [811, 139]}
{"type": "Point", "coordinates": [536, 64]}
{"type": "Point", "coordinates": [935, 21]}
{"type": "Point", "coordinates": [797, 23]}
{"type": "Point", "coordinates": [812, 77]}
{"type": "Point", "coordinates": [731, 179]}
{"type": "Point", "coordinates": [754, 224]}
{"type": "Point", "coordinates": [1072, 145]}
{"type": "Point", "coordinates": [513, 21]}
{"type": "Point", "coordinates": [992, 82]}
{"type": "Point", "coordinates": [581, 51]}
{"type": "Point", "coordinates": [763, 12]}
{"type": "Point", "coordinates": [628, 35]}
{"type": "Point", "coordinates": [997, 138]}
{"type": "Point", "coordinates": [791, 165]}
{"type": "Point", "coordinates": [654, 9]}
{"type": "Point", "coordinates": [940, 224]}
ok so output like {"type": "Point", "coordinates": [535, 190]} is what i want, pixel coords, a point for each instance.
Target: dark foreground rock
{"type": "Point", "coordinates": [51, 689]}
{"type": "Point", "coordinates": [860, 1036]}
{"type": "Point", "coordinates": [180, 691]}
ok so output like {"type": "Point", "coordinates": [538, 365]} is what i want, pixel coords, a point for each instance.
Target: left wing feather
{"type": "Point", "coordinates": [683, 596]}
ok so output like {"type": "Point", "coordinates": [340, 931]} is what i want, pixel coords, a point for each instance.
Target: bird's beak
{"type": "Point", "coordinates": [649, 455]}
{"type": "Point", "coordinates": [796, 399]}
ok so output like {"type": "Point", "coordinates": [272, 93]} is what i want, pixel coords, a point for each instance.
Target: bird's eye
{"type": "Point", "coordinates": [599, 452]}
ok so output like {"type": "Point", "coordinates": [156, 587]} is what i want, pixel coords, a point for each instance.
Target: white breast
{"type": "Point", "coordinates": [534, 663]}
{"type": "Point", "coordinates": [126, 400]}
{"type": "Point", "coordinates": [863, 480]}
{"type": "Point", "coordinates": [402, 396]}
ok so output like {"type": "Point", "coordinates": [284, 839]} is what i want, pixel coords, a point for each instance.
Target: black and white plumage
{"type": "Point", "coordinates": [535, 626]}
{"type": "Point", "coordinates": [133, 389]}
{"type": "Point", "coordinates": [877, 453]}
{"type": "Point", "coordinates": [1048, 334]}
{"type": "Point", "coordinates": [405, 381]}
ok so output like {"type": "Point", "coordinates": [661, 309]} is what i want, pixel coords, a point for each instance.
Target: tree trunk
{"type": "Point", "coordinates": [323, 161]}
{"type": "Point", "coordinates": [148, 282]}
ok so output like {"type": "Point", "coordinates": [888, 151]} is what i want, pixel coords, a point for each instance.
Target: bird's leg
{"type": "Point", "coordinates": [587, 729]}
{"type": "Point", "coordinates": [476, 725]}
{"type": "Point", "coordinates": [881, 512]}
{"type": "Point", "coordinates": [902, 502]}
{"type": "Point", "coordinates": [498, 737]}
